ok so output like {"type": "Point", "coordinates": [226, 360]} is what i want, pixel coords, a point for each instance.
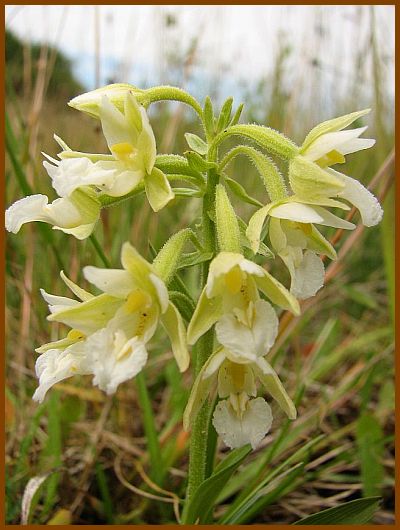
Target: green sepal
{"type": "Point", "coordinates": [225, 115]}
{"type": "Point", "coordinates": [167, 260]}
{"type": "Point", "coordinates": [196, 143]}
{"type": "Point", "coordinates": [228, 232]}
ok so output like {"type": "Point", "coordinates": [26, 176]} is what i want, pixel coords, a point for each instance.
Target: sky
{"type": "Point", "coordinates": [234, 44]}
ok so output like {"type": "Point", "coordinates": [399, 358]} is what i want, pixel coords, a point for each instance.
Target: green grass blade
{"type": "Point", "coordinates": [359, 511]}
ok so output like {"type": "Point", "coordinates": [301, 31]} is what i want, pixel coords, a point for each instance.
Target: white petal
{"type": "Point", "coordinates": [358, 144]}
{"type": "Point", "coordinates": [72, 173]}
{"type": "Point", "coordinates": [55, 365]}
{"type": "Point", "coordinates": [161, 290]}
{"type": "Point", "coordinates": [116, 127]}
{"type": "Point", "coordinates": [295, 211]}
{"type": "Point", "coordinates": [35, 208]}
{"type": "Point", "coordinates": [234, 378]}
{"type": "Point", "coordinates": [57, 303]}
{"type": "Point", "coordinates": [370, 210]}
{"type": "Point", "coordinates": [201, 387]}
{"type": "Point", "coordinates": [207, 312]}
{"type": "Point", "coordinates": [329, 219]}
{"type": "Point", "coordinates": [88, 316]}
{"type": "Point", "coordinates": [147, 142]}
{"type": "Point", "coordinates": [332, 141]}
{"type": "Point", "coordinates": [251, 428]}
{"type": "Point", "coordinates": [123, 182]}
{"type": "Point", "coordinates": [273, 385]}
{"type": "Point", "coordinates": [174, 326]}
{"type": "Point", "coordinates": [308, 277]}
{"type": "Point", "coordinates": [115, 360]}
{"type": "Point", "coordinates": [219, 267]}
{"type": "Point", "coordinates": [78, 291]}
{"type": "Point", "coordinates": [246, 343]}
{"type": "Point", "coordinates": [115, 282]}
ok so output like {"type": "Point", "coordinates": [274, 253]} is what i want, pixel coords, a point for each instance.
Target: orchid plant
{"type": "Point", "coordinates": [234, 323]}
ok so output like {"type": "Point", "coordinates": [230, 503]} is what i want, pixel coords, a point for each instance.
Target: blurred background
{"type": "Point", "coordinates": [293, 67]}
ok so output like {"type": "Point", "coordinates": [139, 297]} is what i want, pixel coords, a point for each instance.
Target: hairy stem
{"type": "Point", "coordinates": [204, 348]}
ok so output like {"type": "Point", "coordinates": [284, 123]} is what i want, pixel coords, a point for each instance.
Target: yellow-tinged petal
{"type": "Point", "coordinates": [272, 383]}
{"type": "Point", "coordinates": [336, 124]}
{"type": "Point", "coordinates": [277, 293]}
{"type": "Point", "coordinates": [173, 324]}
{"type": "Point", "coordinates": [88, 316]}
{"type": "Point", "coordinates": [202, 386]}
{"type": "Point", "coordinates": [206, 314]}
{"type": "Point", "coordinates": [78, 291]}
{"type": "Point", "coordinates": [158, 189]}
{"type": "Point", "coordinates": [309, 181]}
{"type": "Point", "coordinates": [253, 231]}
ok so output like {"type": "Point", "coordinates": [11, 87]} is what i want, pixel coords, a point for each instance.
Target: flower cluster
{"type": "Point", "coordinates": [81, 180]}
{"type": "Point", "coordinates": [110, 331]}
{"type": "Point", "coordinates": [246, 329]}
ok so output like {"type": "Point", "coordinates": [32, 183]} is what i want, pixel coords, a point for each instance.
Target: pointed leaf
{"type": "Point", "coordinates": [359, 511]}
{"type": "Point", "coordinates": [196, 143]}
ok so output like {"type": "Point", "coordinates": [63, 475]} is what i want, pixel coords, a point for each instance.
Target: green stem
{"type": "Point", "coordinates": [200, 431]}
{"type": "Point", "coordinates": [273, 141]}
{"type": "Point", "coordinates": [99, 250]}
{"type": "Point", "coordinates": [160, 93]}
{"type": "Point", "coordinates": [156, 464]}
{"type": "Point", "coordinates": [272, 179]}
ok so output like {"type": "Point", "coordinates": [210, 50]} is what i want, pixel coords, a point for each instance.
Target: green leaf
{"type": "Point", "coordinates": [197, 163]}
{"type": "Point", "coordinates": [208, 115]}
{"type": "Point", "coordinates": [193, 258]}
{"type": "Point", "coordinates": [184, 304]}
{"type": "Point", "coordinates": [369, 438]}
{"type": "Point", "coordinates": [227, 225]}
{"type": "Point", "coordinates": [359, 511]}
{"type": "Point", "coordinates": [157, 467]}
{"type": "Point", "coordinates": [237, 115]}
{"type": "Point", "coordinates": [177, 164]}
{"type": "Point", "coordinates": [225, 115]}
{"type": "Point", "coordinates": [168, 258]}
{"type": "Point", "coordinates": [202, 502]}
{"type": "Point", "coordinates": [187, 192]}
{"type": "Point", "coordinates": [196, 143]}
{"type": "Point", "coordinates": [240, 192]}
{"type": "Point", "coordinates": [264, 496]}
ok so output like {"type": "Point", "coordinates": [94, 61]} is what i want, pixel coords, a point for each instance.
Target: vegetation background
{"type": "Point", "coordinates": [336, 359]}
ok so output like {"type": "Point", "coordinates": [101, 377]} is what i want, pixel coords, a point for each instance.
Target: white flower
{"type": "Point", "coordinates": [110, 331]}
{"type": "Point", "coordinates": [232, 283]}
{"type": "Point", "coordinates": [311, 178]}
{"type": "Point", "coordinates": [251, 427]}
{"type": "Point", "coordinates": [245, 339]}
{"type": "Point", "coordinates": [76, 215]}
